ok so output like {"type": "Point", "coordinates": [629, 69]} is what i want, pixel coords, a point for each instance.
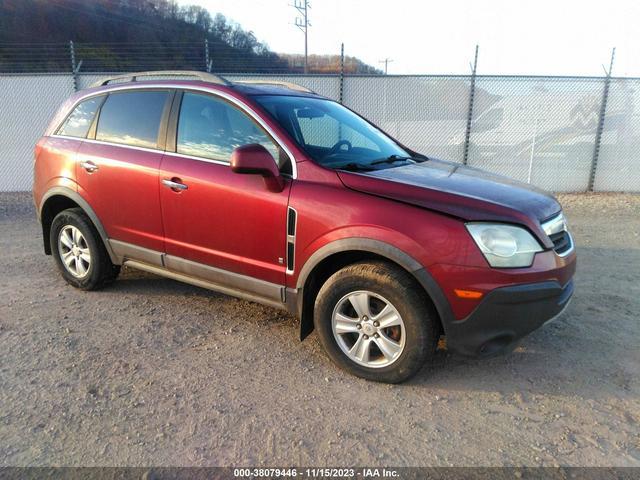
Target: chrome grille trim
{"type": "Point", "coordinates": [555, 226]}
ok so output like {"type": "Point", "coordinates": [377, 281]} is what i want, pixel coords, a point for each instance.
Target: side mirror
{"type": "Point", "coordinates": [255, 159]}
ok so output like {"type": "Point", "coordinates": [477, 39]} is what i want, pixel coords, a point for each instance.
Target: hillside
{"type": "Point", "coordinates": [117, 35]}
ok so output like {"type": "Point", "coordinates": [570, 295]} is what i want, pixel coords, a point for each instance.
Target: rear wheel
{"type": "Point", "coordinates": [79, 252]}
{"type": "Point", "coordinates": [375, 322]}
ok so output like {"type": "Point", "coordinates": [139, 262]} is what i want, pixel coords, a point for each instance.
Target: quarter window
{"type": "Point", "coordinates": [212, 128]}
{"type": "Point", "coordinates": [132, 118]}
{"type": "Point", "coordinates": [78, 123]}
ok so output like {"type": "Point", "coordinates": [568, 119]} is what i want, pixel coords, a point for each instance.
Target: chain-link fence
{"type": "Point", "coordinates": [551, 132]}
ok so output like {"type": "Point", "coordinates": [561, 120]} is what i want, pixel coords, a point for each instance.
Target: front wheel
{"type": "Point", "coordinates": [375, 321]}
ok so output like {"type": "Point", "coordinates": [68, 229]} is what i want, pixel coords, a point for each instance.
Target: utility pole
{"type": "Point", "coordinates": [386, 62]}
{"type": "Point", "coordinates": [302, 22]}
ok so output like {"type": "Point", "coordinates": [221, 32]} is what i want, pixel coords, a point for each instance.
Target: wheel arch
{"type": "Point", "coordinates": [58, 199]}
{"type": "Point", "coordinates": [340, 253]}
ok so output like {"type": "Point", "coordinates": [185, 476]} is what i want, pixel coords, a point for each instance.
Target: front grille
{"type": "Point", "coordinates": [561, 242]}
{"type": "Point", "coordinates": [556, 228]}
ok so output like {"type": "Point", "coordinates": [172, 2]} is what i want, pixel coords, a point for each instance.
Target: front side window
{"type": "Point", "coordinates": [209, 127]}
{"type": "Point", "coordinates": [132, 118]}
{"type": "Point", "coordinates": [331, 134]}
{"type": "Point", "coordinates": [79, 121]}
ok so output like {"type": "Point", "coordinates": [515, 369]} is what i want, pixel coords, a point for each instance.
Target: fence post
{"type": "Point", "coordinates": [207, 61]}
{"type": "Point", "coordinates": [472, 92]}
{"type": "Point", "coordinates": [603, 111]}
{"type": "Point", "coordinates": [341, 71]}
{"type": "Point", "coordinates": [74, 71]}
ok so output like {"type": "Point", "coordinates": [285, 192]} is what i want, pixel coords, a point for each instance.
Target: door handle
{"type": "Point", "coordinates": [89, 166]}
{"type": "Point", "coordinates": [174, 184]}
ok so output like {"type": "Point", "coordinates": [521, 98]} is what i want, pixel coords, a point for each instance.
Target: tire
{"type": "Point", "coordinates": [74, 237]}
{"type": "Point", "coordinates": [373, 286]}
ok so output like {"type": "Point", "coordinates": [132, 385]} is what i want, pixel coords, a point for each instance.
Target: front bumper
{"type": "Point", "coordinates": [506, 315]}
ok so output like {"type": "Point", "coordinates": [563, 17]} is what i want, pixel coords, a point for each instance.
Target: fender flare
{"type": "Point", "coordinates": [383, 249]}
{"type": "Point", "coordinates": [84, 205]}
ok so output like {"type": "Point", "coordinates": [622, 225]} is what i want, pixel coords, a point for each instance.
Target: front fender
{"type": "Point", "coordinates": [379, 248]}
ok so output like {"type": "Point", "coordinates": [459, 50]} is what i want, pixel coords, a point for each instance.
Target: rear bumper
{"type": "Point", "coordinates": [506, 315]}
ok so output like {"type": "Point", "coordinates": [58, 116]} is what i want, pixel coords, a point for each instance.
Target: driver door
{"type": "Point", "coordinates": [222, 226]}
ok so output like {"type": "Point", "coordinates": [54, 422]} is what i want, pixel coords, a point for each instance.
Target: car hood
{"type": "Point", "coordinates": [465, 192]}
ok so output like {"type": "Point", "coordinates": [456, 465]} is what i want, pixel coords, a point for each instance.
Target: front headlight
{"type": "Point", "coordinates": [503, 245]}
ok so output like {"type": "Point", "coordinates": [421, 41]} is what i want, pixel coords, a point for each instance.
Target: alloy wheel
{"type": "Point", "coordinates": [74, 251]}
{"type": "Point", "coordinates": [368, 329]}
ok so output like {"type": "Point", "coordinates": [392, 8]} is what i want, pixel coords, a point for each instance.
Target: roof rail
{"type": "Point", "coordinates": [204, 76]}
{"type": "Point", "coordinates": [279, 83]}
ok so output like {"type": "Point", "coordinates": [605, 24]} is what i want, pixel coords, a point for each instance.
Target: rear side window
{"type": "Point", "coordinates": [212, 128]}
{"type": "Point", "coordinates": [79, 121]}
{"type": "Point", "coordinates": [132, 118]}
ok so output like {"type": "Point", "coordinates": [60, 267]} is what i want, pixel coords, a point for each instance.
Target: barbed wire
{"type": "Point", "coordinates": [53, 57]}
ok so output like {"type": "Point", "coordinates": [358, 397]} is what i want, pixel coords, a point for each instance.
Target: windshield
{"type": "Point", "coordinates": [333, 135]}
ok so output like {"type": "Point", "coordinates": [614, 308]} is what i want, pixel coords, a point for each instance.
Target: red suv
{"type": "Point", "coordinates": [269, 192]}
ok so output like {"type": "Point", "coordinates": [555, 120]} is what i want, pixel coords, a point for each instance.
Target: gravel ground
{"type": "Point", "coordinates": [154, 372]}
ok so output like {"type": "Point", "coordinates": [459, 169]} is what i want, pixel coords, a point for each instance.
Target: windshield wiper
{"type": "Point", "coordinates": [396, 158]}
{"type": "Point", "coordinates": [354, 167]}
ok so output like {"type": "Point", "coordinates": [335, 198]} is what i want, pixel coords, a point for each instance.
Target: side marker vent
{"type": "Point", "coordinates": [292, 221]}
{"type": "Point", "coordinates": [290, 256]}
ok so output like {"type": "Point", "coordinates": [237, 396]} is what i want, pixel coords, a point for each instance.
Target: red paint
{"type": "Point", "coordinates": [123, 192]}
{"type": "Point", "coordinates": [225, 219]}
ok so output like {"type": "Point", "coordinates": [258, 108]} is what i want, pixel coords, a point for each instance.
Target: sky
{"type": "Point", "coordinates": [537, 37]}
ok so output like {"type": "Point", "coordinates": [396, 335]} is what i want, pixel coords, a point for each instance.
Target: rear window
{"type": "Point", "coordinates": [79, 121]}
{"type": "Point", "coordinates": [132, 118]}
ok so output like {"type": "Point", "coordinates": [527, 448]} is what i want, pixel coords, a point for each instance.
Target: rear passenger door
{"type": "Point", "coordinates": [117, 169]}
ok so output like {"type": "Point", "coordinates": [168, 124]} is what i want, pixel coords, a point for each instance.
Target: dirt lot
{"type": "Point", "coordinates": [153, 372]}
